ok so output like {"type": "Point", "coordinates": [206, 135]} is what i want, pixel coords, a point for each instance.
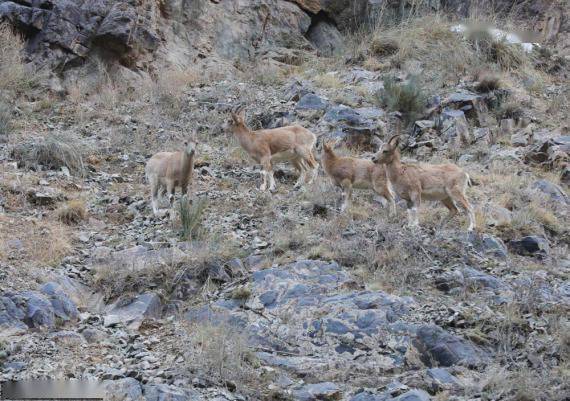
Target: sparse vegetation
{"type": "Point", "coordinates": [221, 351]}
{"type": "Point", "coordinates": [407, 97]}
{"type": "Point", "coordinates": [37, 242]}
{"type": "Point", "coordinates": [53, 152]}
{"type": "Point", "coordinates": [488, 83]}
{"type": "Point", "coordinates": [191, 216]}
{"type": "Point", "coordinates": [5, 120]}
{"type": "Point", "coordinates": [72, 212]}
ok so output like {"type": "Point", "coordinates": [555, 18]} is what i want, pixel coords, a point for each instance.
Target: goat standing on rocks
{"type": "Point", "coordinates": [446, 183]}
{"type": "Point", "coordinates": [167, 170]}
{"type": "Point", "coordinates": [349, 172]}
{"type": "Point", "coordinates": [292, 143]}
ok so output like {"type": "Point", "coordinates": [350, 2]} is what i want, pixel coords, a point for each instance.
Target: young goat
{"type": "Point", "coordinates": [167, 170]}
{"type": "Point", "coordinates": [413, 182]}
{"type": "Point", "coordinates": [292, 143]}
{"type": "Point", "coordinates": [349, 172]}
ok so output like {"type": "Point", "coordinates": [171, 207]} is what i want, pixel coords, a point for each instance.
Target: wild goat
{"type": "Point", "coordinates": [167, 170]}
{"type": "Point", "coordinates": [292, 143]}
{"type": "Point", "coordinates": [349, 172]}
{"type": "Point", "coordinates": [413, 182]}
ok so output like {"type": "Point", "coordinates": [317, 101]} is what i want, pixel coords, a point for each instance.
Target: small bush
{"type": "Point", "coordinates": [510, 110]}
{"type": "Point", "coordinates": [408, 98]}
{"type": "Point", "coordinates": [5, 120]}
{"type": "Point", "coordinates": [508, 56]}
{"type": "Point", "coordinates": [191, 216]}
{"type": "Point", "coordinates": [220, 352]}
{"type": "Point", "coordinates": [488, 83]}
{"type": "Point", "coordinates": [51, 153]}
{"type": "Point", "coordinates": [72, 212]}
{"type": "Point", "coordinates": [382, 46]}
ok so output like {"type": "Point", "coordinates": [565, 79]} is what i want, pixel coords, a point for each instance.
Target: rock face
{"type": "Point", "coordinates": [35, 309]}
{"type": "Point", "coordinates": [314, 323]}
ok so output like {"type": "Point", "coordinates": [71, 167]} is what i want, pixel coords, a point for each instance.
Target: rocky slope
{"type": "Point", "coordinates": [277, 297]}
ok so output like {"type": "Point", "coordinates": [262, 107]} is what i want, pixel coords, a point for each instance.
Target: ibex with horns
{"type": "Point", "coordinates": [293, 143]}
{"type": "Point", "coordinates": [446, 183]}
{"type": "Point", "coordinates": [167, 170]}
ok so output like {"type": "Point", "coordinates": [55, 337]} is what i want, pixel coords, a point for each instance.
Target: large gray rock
{"type": "Point", "coordinates": [163, 392]}
{"type": "Point", "coordinates": [414, 395]}
{"type": "Point", "coordinates": [127, 389]}
{"type": "Point", "coordinates": [360, 128]}
{"type": "Point", "coordinates": [326, 38]}
{"type": "Point", "coordinates": [11, 318]}
{"type": "Point", "coordinates": [551, 190]}
{"type": "Point", "coordinates": [46, 308]}
{"type": "Point", "coordinates": [319, 391]}
{"type": "Point", "coordinates": [436, 344]}
{"type": "Point", "coordinates": [531, 245]}
{"type": "Point", "coordinates": [133, 311]}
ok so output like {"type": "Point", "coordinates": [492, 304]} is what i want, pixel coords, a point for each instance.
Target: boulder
{"type": "Point", "coordinates": [454, 127]}
{"type": "Point", "coordinates": [489, 245]}
{"type": "Point", "coordinates": [442, 379]}
{"type": "Point", "coordinates": [11, 318]}
{"type": "Point", "coordinates": [531, 245]}
{"type": "Point", "coordinates": [325, 37]}
{"type": "Point", "coordinates": [310, 101]}
{"type": "Point", "coordinates": [164, 392]}
{"type": "Point", "coordinates": [436, 344]}
{"type": "Point", "coordinates": [131, 312]}
{"type": "Point", "coordinates": [471, 104]}
{"type": "Point", "coordinates": [127, 389]}
{"type": "Point", "coordinates": [64, 308]}
{"type": "Point", "coordinates": [360, 128]}
{"type": "Point", "coordinates": [318, 392]}
{"type": "Point", "coordinates": [414, 395]}
{"type": "Point", "coordinates": [551, 190]}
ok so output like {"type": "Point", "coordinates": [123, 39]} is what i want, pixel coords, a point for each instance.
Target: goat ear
{"type": "Point", "coordinates": [234, 117]}
{"type": "Point", "coordinates": [241, 113]}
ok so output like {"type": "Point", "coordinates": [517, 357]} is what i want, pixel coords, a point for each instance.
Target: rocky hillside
{"type": "Point", "coordinates": [249, 295]}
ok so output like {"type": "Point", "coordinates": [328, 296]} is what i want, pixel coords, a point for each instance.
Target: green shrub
{"type": "Point", "coordinates": [408, 98]}
{"type": "Point", "coordinates": [191, 216]}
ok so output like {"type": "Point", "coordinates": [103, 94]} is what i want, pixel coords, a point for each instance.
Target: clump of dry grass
{"type": "Point", "coordinates": [36, 242]}
{"type": "Point", "coordinates": [13, 72]}
{"type": "Point", "coordinates": [53, 152]}
{"type": "Point", "coordinates": [510, 110]}
{"type": "Point", "coordinates": [72, 212]}
{"type": "Point", "coordinates": [488, 82]}
{"type": "Point", "coordinates": [191, 216]}
{"type": "Point", "coordinates": [220, 352]}
{"type": "Point", "coordinates": [384, 46]}
{"type": "Point", "coordinates": [5, 120]}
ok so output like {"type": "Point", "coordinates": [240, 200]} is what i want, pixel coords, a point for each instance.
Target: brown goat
{"type": "Point", "coordinates": [446, 183]}
{"type": "Point", "coordinates": [350, 172]}
{"type": "Point", "coordinates": [167, 170]}
{"type": "Point", "coordinates": [292, 143]}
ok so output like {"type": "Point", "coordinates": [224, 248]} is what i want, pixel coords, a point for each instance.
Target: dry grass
{"type": "Point", "coordinates": [53, 152]}
{"type": "Point", "coordinates": [488, 82]}
{"type": "Point", "coordinates": [191, 216]}
{"type": "Point", "coordinates": [5, 120]}
{"type": "Point", "coordinates": [219, 351]}
{"type": "Point", "coordinates": [11, 65]}
{"type": "Point", "coordinates": [329, 80]}
{"type": "Point", "coordinates": [73, 212]}
{"type": "Point", "coordinates": [36, 242]}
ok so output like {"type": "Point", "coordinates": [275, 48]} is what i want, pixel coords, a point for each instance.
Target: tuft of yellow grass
{"type": "Point", "coordinates": [72, 212]}
{"type": "Point", "coordinates": [35, 242]}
